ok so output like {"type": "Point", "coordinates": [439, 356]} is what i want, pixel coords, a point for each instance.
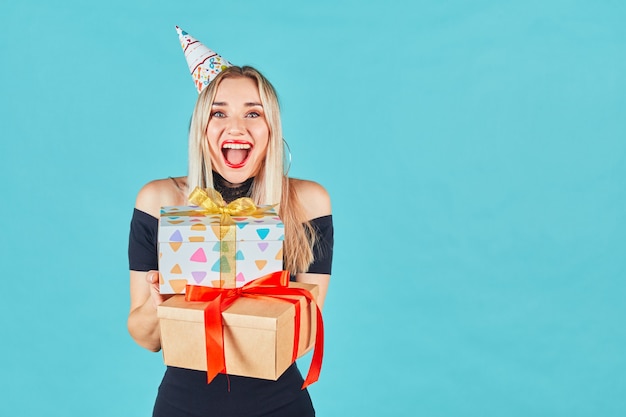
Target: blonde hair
{"type": "Point", "coordinates": [271, 185]}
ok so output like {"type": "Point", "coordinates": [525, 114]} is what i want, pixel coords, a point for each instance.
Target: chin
{"type": "Point", "coordinates": [235, 176]}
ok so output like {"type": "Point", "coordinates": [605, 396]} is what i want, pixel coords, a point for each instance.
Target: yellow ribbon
{"type": "Point", "coordinates": [211, 202]}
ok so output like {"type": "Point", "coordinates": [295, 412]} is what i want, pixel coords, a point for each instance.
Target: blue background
{"type": "Point", "coordinates": [476, 157]}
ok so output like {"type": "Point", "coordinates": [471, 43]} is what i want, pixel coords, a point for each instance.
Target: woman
{"type": "Point", "coordinates": [236, 147]}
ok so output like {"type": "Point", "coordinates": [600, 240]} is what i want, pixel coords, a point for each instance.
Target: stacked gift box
{"type": "Point", "coordinates": [258, 333]}
{"type": "Point", "coordinates": [226, 255]}
{"type": "Point", "coordinates": [197, 248]}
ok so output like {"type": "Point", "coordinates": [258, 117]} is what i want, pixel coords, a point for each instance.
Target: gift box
{"type": "Point", "coordinates": [217, 250]}
{"type": "Point", "coordinates": [258, 333]}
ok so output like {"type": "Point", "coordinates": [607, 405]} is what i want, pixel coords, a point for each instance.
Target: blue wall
{"type": "Point", "coordinates": [476, 157]}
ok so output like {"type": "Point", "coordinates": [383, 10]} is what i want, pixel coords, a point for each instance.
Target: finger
{"type": "Point", "coordinates": [152, 277]}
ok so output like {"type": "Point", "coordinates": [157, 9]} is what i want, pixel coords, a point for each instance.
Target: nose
{"type": "Point", "coordinates": [236, 126]}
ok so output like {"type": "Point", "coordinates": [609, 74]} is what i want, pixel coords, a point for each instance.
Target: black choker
{"type": "Point", "coordinates": [230, 191]}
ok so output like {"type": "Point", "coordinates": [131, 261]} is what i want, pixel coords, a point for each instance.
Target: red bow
{"type": "Point", "coordinates": [272, 285]}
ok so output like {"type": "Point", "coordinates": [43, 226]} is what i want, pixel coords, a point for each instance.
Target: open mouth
{"type": "Point", "coordinates": [236, 152]}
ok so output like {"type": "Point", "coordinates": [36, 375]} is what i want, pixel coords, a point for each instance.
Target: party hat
{"type": "Point", "coordinates": [204, 64]}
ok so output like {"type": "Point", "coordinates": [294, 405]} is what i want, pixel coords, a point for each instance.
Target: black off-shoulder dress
{"type": "Point", "coordinates": [185, 392]}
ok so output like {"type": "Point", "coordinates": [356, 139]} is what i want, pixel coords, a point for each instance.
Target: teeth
{"type": "Point", "coordinates": [236, 146]}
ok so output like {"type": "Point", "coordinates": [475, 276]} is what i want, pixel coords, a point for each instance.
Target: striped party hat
{"type": "Point", "coordinates": [204, 64]}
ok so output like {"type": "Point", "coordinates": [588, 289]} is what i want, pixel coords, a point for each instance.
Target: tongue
{"type": "Point", "coordinates": [235, 156]}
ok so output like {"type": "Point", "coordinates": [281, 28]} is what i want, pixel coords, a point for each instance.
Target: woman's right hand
{"type": "Point", "coordinates": [143, 323]}
{"type": "Point", "coordinates": [153, 279]}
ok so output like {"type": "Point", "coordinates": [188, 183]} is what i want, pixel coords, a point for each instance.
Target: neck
{"type": "Point", "coordinates": [232, 191]}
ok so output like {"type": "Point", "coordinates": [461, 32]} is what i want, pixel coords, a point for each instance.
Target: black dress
{"type": "Point", "coordinates": [185, 392]}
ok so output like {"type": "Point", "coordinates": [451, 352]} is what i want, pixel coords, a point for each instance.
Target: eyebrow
{"type": "Point", "coordinates": [249, 104]}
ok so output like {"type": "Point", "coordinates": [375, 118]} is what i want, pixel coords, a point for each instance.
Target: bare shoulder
{"type": "Point", "coordinates": [313, 196]}
{"type": "Point", "coordinates": [162, 192]}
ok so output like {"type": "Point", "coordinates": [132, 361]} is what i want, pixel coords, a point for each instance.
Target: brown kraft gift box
{"type": "Point", "coordinates": [258, 333]}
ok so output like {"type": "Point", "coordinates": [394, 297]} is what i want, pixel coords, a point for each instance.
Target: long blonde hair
{"type": "Point", "coordinates": [270, 185]}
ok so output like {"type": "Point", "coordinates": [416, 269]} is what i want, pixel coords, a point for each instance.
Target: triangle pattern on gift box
{"type": "Point", "coordinates": [176, 269]}
{"type": "Point", "coordinates": [263, 246]}
{"type": "Point", "coordinates": [225, 266]}
{"type": "Point", "coordinates": [260, 264]}
{"type": "Point", "coordinates": [217, 283]}
{"type": "Point", "coordinates": [196, 238]}
{"type": "Point", "coordinates": [216, 230]}
{"type": "Point", "coordinates": [175, 221]}
{"type": "Point", "coordinates": [175, 245]}
{"type": "Point", "coordinates": [239, 256]}
{"type": "Point", "coordinates": [241, 225]}
{"type": "Point", "coordinates": [198, 227]}
{"type": "Point", "coordinates": [216, 247]}
{"type": "Point", "coordinates": [198, 276]}
{"type": "Point", "coordinates": [178, 285]}
{"type": "Point", "coordinates": [279, 255]}
{"type": "Point", "coordinates": [198, 256]}
{"type": "Point", "coordinates": [176, 236]}
{"type": "Point", "coordinates": [227, 246]}
{"type": "Point", "coordinates": [240, 277]}
{"type": "Point", "coordinates": [262, 233]}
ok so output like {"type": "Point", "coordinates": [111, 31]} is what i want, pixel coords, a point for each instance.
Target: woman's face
{"type": "Point", "coordinates": [237, 132]}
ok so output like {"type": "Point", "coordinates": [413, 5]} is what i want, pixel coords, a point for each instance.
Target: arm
{"type": "Point", "coordinates": [321, 280]}
{"type": "Point", "coordinates": [143, 324]}
{"type": "Point", "coordinates": [316, 202]}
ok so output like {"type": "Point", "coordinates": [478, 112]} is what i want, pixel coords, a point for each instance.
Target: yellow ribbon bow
{"type": "Point", "coordinates": [212, 202]}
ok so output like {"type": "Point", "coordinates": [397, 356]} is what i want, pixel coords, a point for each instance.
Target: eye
{"type": "Point", "coordinates": [253, 115]}
{"type": "Point", "coordinates": [218, 114]}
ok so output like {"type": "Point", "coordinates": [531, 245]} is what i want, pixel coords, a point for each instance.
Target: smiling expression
{"type": "Point", "coordinates": [237, 132]}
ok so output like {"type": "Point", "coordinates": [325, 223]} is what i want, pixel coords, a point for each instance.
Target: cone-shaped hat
{"type": "Point", "coordinates": [204, 64]}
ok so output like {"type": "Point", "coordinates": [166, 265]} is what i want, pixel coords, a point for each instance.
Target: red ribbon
{"type": "Point", "coordinates": [272, 285]}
